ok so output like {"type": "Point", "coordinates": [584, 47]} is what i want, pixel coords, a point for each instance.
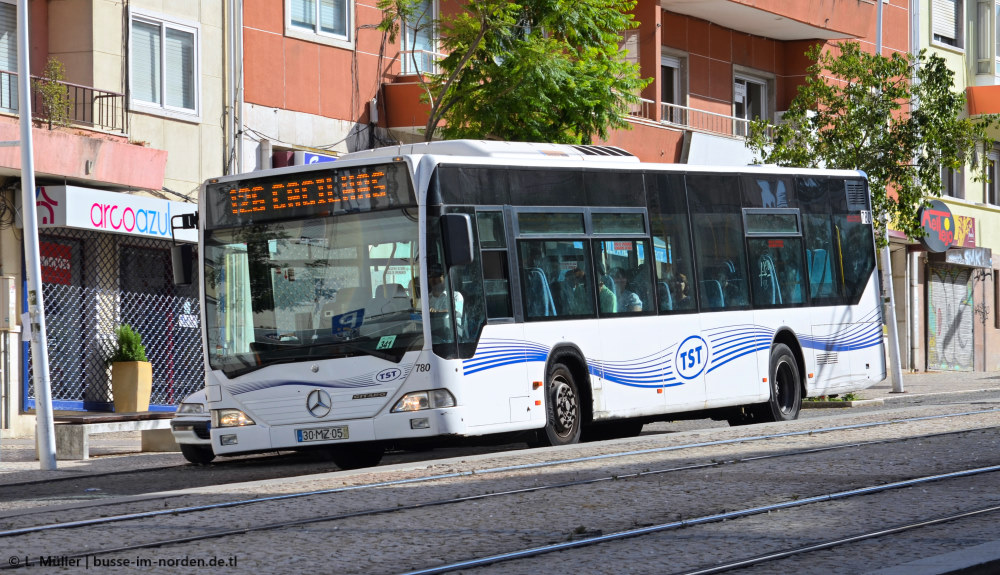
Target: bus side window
{"type": "Point", "coordinates": [496, 280]}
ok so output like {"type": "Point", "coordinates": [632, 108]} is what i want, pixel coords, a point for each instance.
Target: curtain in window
{"type": "Point", "coordinates": [304, 13]}
{"type": "Point", "coordinates": [332, 17]}
{"type": "Point", "coordinates": [8, 56]}
{"type": "Point", "coordinates": [146, 62]}
{"type": "Point", "coordinates": [180, 69]}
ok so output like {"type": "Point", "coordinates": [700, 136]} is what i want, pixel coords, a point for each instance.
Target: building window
{"type": "Point", "coordinates": [8, 56]}
{"type": "Point", "coordinates": [996, 36]}
{"type": "Point", "coordinates": [991, 195]}
{"type": "Point", "coordinates": [953, 182]}
{"type": "Point", "coordinates": [323, 17]}
{"type": "Point", "coordinates": [750, 102]}
{"type": "Point", "coordinates": [673, 88]}
{"type": "Point", "coordinates": [946, 22]}
{"type": "Point", "coordinates": [418, 40]}
{"type": "Point", "coordinates": [984, 54]}
{"type": "Point", "coordinates": [164, 64]}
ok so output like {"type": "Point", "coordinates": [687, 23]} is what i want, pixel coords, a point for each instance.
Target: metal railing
{"type": "Point", "coordinates": [88, 106]}
{"type": "Point", "coordinates": [692, 119]}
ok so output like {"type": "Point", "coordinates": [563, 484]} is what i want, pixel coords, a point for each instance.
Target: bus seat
{"type": "Point", "coordinates": [348, 299]}
{"type": "Point", "coordinates": [538, 297]}
{"type": "Point", "coordinates": [820, 277]}
{"type": "Point", "coordinates": [390, 298]}
{"type": "Point", "coordinates": [666, 300]}
{"type": "Point", "coordinates": [711, 291]}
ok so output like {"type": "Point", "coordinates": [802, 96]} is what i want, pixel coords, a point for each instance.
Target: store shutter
{"type": "Point", "coordinates": [950, 319]}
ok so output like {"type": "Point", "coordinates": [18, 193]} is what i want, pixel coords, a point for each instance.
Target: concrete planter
{"type": "Point", "coordinates": [131, 385]}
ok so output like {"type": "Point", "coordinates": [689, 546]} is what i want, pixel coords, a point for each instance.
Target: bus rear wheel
{"type": "Point", "coordinates": [786, 386]}
{"type": "Point", "coordinates": [563, 412]}
{"type": "Point", "coordinates": [785, 399]}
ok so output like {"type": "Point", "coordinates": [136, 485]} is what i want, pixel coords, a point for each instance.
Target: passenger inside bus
{"type": "Point", "coordinates": [628, 300]}
{"type": "Point", "coordinates": [605, 297]}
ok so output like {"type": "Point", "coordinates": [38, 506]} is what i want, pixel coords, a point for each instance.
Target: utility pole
{"type": "Point", "coordinates": [45, 425]}
{"type": "Point", "coordinates": [897, 370]}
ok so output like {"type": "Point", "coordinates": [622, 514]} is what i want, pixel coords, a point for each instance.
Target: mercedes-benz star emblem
{"type": "Point", "coordinates": [319, 403]}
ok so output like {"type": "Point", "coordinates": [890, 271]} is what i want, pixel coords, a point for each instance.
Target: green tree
{"type": "Point", "coordinates": [896, 118]}
{"type": "Point", "coordinates": [535, 70]}
{"type": "Point", "coordinates": [55, 108]}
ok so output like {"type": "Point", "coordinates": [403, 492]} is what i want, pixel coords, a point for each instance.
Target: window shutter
{"type": "Point", "coordinates": [8, 37]}
{"type": "Point", "coordinates": [180, 79]}
{"type": "Point", "coordinates": [8, 55]}
{"type": "Point", "coordinates": [146, 62]}
{"type": "Point", "coordinates": [944, 19]}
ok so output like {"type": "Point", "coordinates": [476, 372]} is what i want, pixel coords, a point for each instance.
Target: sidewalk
{"type": "Point", "coordinates": [934, 382]}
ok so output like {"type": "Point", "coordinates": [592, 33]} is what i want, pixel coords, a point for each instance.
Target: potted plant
{"type": "Point", "coordinates": [131, 372]}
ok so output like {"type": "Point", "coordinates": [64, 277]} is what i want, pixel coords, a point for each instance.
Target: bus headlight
{"type": "Point", "coordinates": [230, 418]}
{"type": "Point", "coordinates": [191, 408]}
{"type": "Point", "coordinates": [430, 399]}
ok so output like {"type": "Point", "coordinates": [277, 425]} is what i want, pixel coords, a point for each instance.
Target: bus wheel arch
{"type": "Point", "coordinates": [786, 384]}
{"type": "Point", "coordinates": [568, 401]}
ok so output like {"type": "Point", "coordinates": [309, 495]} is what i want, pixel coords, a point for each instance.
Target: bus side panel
{"type": "Point", "coordinates": [731, 375]}
{"type": "Point", "coordinates": [496, 382]}
{"type": "Point", "coordinates": [637, 369]}
{"type": "Point", "coordinates": [846, 346]}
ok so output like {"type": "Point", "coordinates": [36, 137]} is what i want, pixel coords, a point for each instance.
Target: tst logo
{"type": "Point", "coordinates": [691, 358]}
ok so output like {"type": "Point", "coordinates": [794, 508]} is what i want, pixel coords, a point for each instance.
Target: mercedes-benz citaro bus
{"type": "Point", "coordinates": [461, 289]}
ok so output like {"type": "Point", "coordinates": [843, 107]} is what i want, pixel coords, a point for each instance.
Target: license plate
{"type": "Point", "coordinates": [322, 433]}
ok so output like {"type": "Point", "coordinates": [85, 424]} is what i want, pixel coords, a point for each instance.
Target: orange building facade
{"type": "Point", "coordinates": [714, 64]}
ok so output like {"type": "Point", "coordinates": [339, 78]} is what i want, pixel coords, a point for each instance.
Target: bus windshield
{"type": "Point", "coordinates": [304, 290]}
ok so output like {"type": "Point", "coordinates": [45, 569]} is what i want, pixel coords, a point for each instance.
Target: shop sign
{"type": "Point", "coordinates": [100, 210]}
{"type": "Point", "coordinates": [938, 225]}
{"type": "Point", "coordinates": [965, 231]}
{"type": "Point", "coordinates": [972, 257]}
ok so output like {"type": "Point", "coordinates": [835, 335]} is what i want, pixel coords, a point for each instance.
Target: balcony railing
{"type": "Point", "coordinates": [419, 61]}
{"type": "Point", "coordinates": [98, 109]}
{"type": "Point", "coordinates": [693, 119]}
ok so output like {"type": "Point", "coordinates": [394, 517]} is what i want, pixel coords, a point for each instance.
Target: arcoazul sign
{"type": "Point", "coordinates": [118, 218]}
{"type": "Point", "coordinates": [90, 209]}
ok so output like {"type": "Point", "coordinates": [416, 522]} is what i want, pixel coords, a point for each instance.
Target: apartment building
{"type": "Point", "coordinates": [143, 80]}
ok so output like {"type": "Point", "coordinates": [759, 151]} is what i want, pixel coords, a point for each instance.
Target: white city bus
{"type": "Point", "coordinates": [462, 288]}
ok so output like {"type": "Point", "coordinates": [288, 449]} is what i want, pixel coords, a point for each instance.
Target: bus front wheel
{"type": "Point", "coordinates": [356, 456]}
{"type": "Point", "coordinates": [197, 454]}
{"type": "Point", "coordinates": [563, 413]}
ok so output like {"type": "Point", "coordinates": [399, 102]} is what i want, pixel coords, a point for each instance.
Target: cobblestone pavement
{"type": "Point", "coordinates": [397, 542]}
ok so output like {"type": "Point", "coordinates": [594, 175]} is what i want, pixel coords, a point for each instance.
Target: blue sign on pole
{"type": "Point", "coordinates": [308, 158]}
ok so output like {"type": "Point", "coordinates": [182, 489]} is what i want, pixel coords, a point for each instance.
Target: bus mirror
{"type": "Point", "coordinates": [457, 232]}
{"type": "Point", "coordinates": [182, 260]}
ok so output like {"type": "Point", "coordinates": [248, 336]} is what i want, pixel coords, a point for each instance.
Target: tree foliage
{"type": "Point", "coordinates": [534, 70]}
{"type": "Point", "coordinates": [896, 118]}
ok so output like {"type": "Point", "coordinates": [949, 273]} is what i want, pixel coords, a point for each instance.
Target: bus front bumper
{"type": "Point", "coordinates": [385, 427]}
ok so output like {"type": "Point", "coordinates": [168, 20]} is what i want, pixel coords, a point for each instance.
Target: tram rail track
{"type": "Point", "coordinates": [480, 472]}
{"type": "Point", "coordinates": [171, 541]}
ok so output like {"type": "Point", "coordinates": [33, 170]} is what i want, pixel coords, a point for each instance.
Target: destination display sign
{"type": "Point", "coordinates": [314, 193]}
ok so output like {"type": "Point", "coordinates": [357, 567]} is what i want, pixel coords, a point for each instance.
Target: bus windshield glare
{"type": "Point", "coordinates": [302, 290]}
